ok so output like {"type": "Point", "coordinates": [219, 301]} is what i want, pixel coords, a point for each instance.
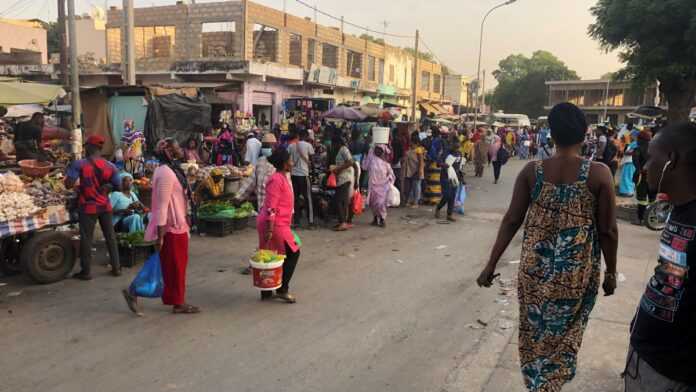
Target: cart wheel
{"type": "Point", "coordinates": [48, 256]}
{"type": "Point", "coordinates": [9, 257]}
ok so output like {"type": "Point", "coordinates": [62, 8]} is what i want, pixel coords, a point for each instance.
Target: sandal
{"type": "Point", "coordinates": [288, 298]}
{"type": "Point", "coordinates": [185, 309]}
{"type": "Point", "coordinates": [132, 302]}
{"type": "Point", "coordinates": [341, 227]}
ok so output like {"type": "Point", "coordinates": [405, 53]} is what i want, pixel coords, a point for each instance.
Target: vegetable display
{"type": "Point", "coordinates": [225, 210]}
{"type": "Point", "coordinates": [10, 182]}
{"type": "Point", "coordinates": [266, 256]}
{"type": "Point", "coordinates": [15, 205]}
{"type": "Point", "coordinates": [131, 239]}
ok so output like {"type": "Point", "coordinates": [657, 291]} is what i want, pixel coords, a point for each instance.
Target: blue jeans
{"type": "Point", "coordinates": [414, 190]}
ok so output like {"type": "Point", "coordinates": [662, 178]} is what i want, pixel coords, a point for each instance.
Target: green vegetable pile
{"type": "Point", "coordinates": [131, 239]}
{"type": "Point", "coordinates": [266, 256]}
{"type": "Point", "coordinates": [225, 210]}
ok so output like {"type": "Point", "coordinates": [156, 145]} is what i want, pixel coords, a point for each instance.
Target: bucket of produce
{"type": "Point", "coordinates": [267, 269]}
{"type": "Point", "coordinates": [34, 168]}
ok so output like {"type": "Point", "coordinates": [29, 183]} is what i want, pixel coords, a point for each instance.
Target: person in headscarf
{"type": "Point", "coordinates": [380, 181]}
{"type": "Point", "coordinates": [192, 151]}
{"type": "Point", "coordinates": [644, 195]}
{"type": "Point", "coordinates": [627, 188]}
{"type": "Point", "coordinates": [128, 210]}
{"type": "Point", "coordinates": [481, 146]}
{"type": "Point", "coordinates": [255, 184]}
{"type": "Point", "coordinates": [169, 227]}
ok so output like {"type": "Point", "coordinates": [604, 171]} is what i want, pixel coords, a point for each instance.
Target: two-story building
{"type": "Point", "coordinates": [601, 100]}
{"type": "Point", "coordinates": [257, 57]}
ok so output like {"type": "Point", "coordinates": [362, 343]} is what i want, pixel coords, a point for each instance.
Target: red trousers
{"type": "Point", "coordinates": [174, 259]}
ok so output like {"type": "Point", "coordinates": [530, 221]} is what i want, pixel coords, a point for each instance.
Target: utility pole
{"type": "Point", "coordinates": [483, 91]}
{"type": "Point", "coordinates": [63, 43]}
{"type": "Point", "coordinates": [74, 68]}
{"type": "Point", "coordinates": [129, 62]}
{"type": "Point", "coordinates": [414, 80]}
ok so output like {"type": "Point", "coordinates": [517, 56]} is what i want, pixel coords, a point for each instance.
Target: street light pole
{"type": "Point", "coordinates": [478, 68]}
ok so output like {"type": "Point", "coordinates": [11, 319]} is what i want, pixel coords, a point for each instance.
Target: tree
{"type": "Point", "coordinates": [370, 38]}
{"type": "Point", "coordinates": [657, 40]}
{"type": "Point", "coordinates": [421, 55]}
{"type": "Point", "coordinates": [522, 82]}
{"type": "Point", "coordinates": [52, 36]}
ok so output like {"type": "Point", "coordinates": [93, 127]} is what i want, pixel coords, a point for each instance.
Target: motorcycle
{"type": "Point", "coordinates": [657, 214]}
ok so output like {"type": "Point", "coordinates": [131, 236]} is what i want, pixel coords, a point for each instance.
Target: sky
{"type": "Point", "coordinates": [450, 28]}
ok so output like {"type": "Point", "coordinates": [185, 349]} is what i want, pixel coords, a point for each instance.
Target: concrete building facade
{"type": "Point", "coordinates": [601, 100]}
{"type": "Point", "coordinates": [22, 42]}
{"type": "Point", "coordinates": [457, 91]}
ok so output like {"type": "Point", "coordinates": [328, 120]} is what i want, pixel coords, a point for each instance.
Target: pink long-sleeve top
{"type": "Point", "coordinates": [277, 207]}
{"type": "Point", "coordinates": [169, 207]}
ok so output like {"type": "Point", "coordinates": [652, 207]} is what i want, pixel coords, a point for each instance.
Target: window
{"type": "Point", "coordinates": [392, 70]}
{"type": "Point", "coordinates": [329, 55]}
{"type": "Point", "coordinates": [217, 39]}
{"type": "Point", "coordinates": [380, 69]}
{"type": "Point", "coordinates": [113, 46]}
{"type": "Point", "coordinates": [296, 49]}
{"type": "Point", "coordinates": [265, 43]}
{"type": "Point", "coordinates": [425, 81]}
{"type": "Point", "coordinates": [154, 41]}
{"type": "Point", "coordinates": [436, 83]}
{"type": "Point", "coordinates": [354, 64]}
{"type": "Point", "coordinates": [371, 68]}
{"type": "Point", "coordinates": [311, 52]}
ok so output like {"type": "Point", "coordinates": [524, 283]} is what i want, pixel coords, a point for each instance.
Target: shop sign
{"type": "Point", "coordinates": [320, 74]}
{"type": "Point", "coordinates": [386, 89]}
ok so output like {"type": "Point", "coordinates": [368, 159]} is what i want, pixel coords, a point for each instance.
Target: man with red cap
{"type": "Point", "coordinates": [97, 177]}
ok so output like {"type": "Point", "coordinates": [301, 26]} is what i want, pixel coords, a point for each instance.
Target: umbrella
{"type": "Point", "coordinates": [345, 113]}
{"type": "Point", "coordinates": [19, 93]}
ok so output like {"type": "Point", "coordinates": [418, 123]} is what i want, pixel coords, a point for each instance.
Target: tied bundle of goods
{"type": "Point", "coordinates": [267, 269]}
{"type": "Point", "coordinates": [15, 205]}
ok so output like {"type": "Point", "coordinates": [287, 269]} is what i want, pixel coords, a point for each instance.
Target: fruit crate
{"type": "Point", "coordinates": [216, 227]}
{"type": "Point", "coordinates": [130, 255]}
{"type": "Point", "coordinates": [240, 223]}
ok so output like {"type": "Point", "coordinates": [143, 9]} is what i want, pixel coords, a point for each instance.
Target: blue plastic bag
{"type": "Point", "coordinates": [148, 283]}
{"type": "Point", "coordinates": [460, 199]}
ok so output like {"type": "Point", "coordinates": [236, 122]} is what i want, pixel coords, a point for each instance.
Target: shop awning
{"type": "Point", "coordinates": [439, 108]}
{"type": "Point", "coordinates": [20, 93]}
{"type": "Point", "coordinates": [429, 108]}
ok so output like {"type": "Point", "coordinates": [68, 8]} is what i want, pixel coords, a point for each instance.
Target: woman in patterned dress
{"type": "Point", "coordinates": [570, 210]}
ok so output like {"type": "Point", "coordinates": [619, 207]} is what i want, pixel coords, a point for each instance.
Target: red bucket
{"type": "Point", "coordinates": [267, 276]}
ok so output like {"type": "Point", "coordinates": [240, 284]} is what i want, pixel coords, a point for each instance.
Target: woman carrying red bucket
{"type": "Point", "coordinates": [273, 225]}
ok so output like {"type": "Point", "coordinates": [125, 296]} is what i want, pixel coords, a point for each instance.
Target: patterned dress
{"type": "Point", "coordinates": [558, 279]}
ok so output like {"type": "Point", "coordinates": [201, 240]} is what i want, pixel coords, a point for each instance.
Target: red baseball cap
{"type": "Point", "coordinates": [96, 140]}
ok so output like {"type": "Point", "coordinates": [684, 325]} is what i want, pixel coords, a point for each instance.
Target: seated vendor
{"type": "Point", "coordinates": [128, 210]}
{"type": "Point", "coordinates": [27, 138]}
{"type": "Point", "coordinates": [212, 188]}
{"type": "Point", "coordinates": [192, 151]}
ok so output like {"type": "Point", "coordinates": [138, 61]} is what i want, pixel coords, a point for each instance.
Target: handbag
{"type": "Point", "coordinates": [148, 283]}
{"type": "Point", "coordinates": [393, 197]}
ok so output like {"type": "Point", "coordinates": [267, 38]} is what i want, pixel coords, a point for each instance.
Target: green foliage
{"type": "Point", "coordinates": [52, 36]}
{"type": "Point", "coordinates": [522, 82]}
{"type": "Point", "coordinates": [370, 38]}
{"type": "Point", "coordinates": [657, 41]}
{"type": "Point", "coordinates": [422, 55]}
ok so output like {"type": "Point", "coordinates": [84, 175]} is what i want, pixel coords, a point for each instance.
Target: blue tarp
{"type": "Point", "coordinates": [123, 108]}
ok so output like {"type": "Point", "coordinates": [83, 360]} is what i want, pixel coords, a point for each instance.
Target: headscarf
{"type": "Point", "coordinates": [174, 165]}
{"type": "Point", "coordinates": [123, 175]}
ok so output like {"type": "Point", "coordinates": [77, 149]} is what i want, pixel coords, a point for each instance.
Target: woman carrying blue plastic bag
{"type": "Point", "coordinates": [148, 284]}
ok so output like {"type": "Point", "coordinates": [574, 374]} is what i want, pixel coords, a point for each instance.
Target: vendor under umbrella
{"type": "Point", "coordinates": [128, 210]}
{"type": "Point", "coordinates": [212, 188]}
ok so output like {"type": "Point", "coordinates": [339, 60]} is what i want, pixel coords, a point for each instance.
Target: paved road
{"type": "Point", "coordinates": [379, 310]}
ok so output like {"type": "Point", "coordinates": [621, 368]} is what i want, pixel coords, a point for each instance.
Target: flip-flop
{"type": "Point", "coordinates": [132, 302]}
{"type": "Point", "coordinates": [186, 309]}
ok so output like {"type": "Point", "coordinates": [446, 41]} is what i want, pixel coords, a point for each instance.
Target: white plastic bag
{"type": "Point", "coordinates": [393, 197]}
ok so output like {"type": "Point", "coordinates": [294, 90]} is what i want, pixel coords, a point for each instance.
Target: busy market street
{"type": "Point", "coordinates": [332, 196]}
{"type": "Point", "coordinates": [389, 311]}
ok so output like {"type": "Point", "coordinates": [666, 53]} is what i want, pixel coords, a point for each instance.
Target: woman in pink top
{"type": "Point", "coordinates": [273, 222]}
{"type": "Point", "coordinates": [169, 227]}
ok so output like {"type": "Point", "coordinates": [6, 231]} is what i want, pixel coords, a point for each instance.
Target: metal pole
{"type": "Point", "coordinates": [414, 80]}
{"type": "Point", "coordinates": [483, 91]}
{"type": "Point", "coordinates": [74, 68]}
{"type": "Point", "coordinates": [128, 23]}
{"type": "Point", "coordinates": [478, 68]}
{"type": "Point", "coordinates": [65, 77]}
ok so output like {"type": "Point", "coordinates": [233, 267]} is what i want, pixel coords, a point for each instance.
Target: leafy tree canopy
{"type": "Point", "coordinates": [522, 82]}
{"type": "Point", "coordinates": [657, 41]}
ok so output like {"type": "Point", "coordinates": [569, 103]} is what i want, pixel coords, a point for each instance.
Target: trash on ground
{"type": "Point", "coordinates": [399, 261]}
{"type": "Point", "coordinates": [505, 324]}
{"type": "Point", "coordinates": [441, 247]}
{"type": "Point", "coordinates": [483, 323]}
{"type": "Point", "coordinates": [514, 262]}
{"type": "Point", "coordinates": [621, 278]}
{"type": "Point", "coordinates": [14, 293]}
{"type": "Point", "coordinates": [473, 326]}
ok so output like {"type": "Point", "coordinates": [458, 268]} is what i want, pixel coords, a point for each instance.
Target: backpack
{"type": "Point", "coordinates": [503, 156]}
{"type": "Point", "coordinates": [610, 152]}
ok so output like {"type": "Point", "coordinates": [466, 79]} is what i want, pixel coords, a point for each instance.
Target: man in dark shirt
{"type": "Point", "coordinates": [27, 138]}
{"type": "Point", "coordinates": [97, 177]}
{"type": "Point", "coordinates": [663, 332]}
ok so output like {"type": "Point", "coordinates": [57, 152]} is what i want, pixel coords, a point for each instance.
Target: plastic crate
{"type": "Point", "coordinates": [216, 227]}
{"type": "Point", "coordinates": [240, 224]}
{"type": "Point", "coordinates": [130, 256]}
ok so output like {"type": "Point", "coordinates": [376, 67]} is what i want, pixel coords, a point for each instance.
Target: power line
{"type": "Point", "coordinates": [6, 10]}
{"type": "Point", "coordinates": [363, 28]}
